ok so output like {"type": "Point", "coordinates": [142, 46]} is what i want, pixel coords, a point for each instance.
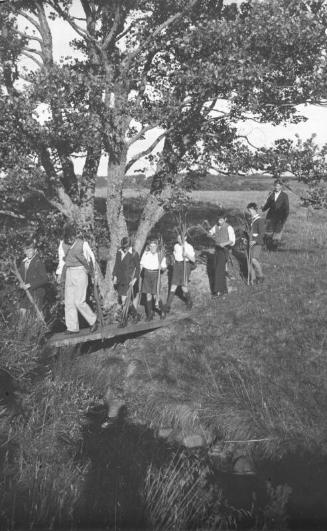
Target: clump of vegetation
{"type": "Point", "coordinates": [40, 470]}
{"type": "Point", "coordinates": [182, 495]}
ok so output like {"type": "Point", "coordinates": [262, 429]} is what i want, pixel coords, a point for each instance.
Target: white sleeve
{"type": "Point", "coordinates": [163, 264]}
{"type": "Point", "coordinates": [212, 230]}
{"type": "Point", "coordinates": [61, 259]}
{"type": "Point", "coordinates": [231, 234]}
{"type": "Point", "coordinates": [88, 253]}
{"type": "Point", "coordinates": [142, 261]}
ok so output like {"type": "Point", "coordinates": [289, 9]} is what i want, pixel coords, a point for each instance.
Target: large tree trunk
{"type": "Point", "coordinates": [115, 220]}
{"type": "Point", "coordinates": [153, 210]}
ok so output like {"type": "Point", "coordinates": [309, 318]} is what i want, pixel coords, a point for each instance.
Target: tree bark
{"type": "Point", "coordinates": [115, 220]}
{"type": "Point", "coordinates": [152, 212]}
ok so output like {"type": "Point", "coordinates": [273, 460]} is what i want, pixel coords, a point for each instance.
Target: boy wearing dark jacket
{"type": "Point", "coordinates": [126, 272]}
{"type": "Point", "coordinates": [277, 205]}
{"type": "Point", "coordinates": [257, 233]}
{"type": "Point", "coordinates": [34, 275]}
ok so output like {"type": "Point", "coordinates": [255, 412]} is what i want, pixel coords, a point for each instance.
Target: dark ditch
{"type": "Point", "coordinates": [120, 455]}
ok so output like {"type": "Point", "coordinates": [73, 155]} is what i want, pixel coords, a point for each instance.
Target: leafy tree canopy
{"type": "Point", "coordinates": [144, 65]}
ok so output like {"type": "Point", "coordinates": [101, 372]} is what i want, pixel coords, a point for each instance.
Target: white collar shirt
{"type": "Point", "coordinates": [124, 253]}
{"type": "Point", "coordinates": [27, 261]}
{"type": "Point", "coordinates": [151, 261]}
{"type": "Point", "coordinates": [188, 252]}
{"type": "Point", "coordinates": [276, 195]}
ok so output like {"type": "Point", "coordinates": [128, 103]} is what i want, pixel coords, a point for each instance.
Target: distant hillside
{"type": "Point", "coordinates": [207, 182]}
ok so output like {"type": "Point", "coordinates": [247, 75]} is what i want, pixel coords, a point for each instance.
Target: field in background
{"type": "Point", "coordinates": [206, 182]}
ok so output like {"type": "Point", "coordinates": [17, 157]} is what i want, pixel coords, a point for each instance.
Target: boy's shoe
{"type": "Point", "coordinates": [136, 318]}
{"type": "Point", "coordinates": [94, 327]}
{"type": "Point", "coordinates": [259, 280]}
{"type": "Point", "coordinates": [106, 423]}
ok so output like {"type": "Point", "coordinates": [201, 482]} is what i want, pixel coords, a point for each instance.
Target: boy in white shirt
{"type": "Point", "coordinates": [223, 235]}
{"type": "Point", "coordinates": [75, 260]}
{"type": "Point", "coordinates": [153, 262]}
{"type": "Point", "coordinates": [184, 256]}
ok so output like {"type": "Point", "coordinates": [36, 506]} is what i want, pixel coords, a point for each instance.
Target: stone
{"type": "Point", "coordinates": [243, 466]}
{"type": "Point", "coordinates": [114, 408]}
{"type": "Point", "coordinates": [193, 441]}
{"type": "Point", "coordinates": [164, 433]}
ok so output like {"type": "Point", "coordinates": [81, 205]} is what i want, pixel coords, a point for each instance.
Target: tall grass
{"type": "Point", "coordinates": [40, 471]}
{"type": "Point", "coordinates": [181, 495]}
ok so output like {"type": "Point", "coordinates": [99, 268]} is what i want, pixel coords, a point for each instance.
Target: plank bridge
{"type": "Point", "coordinates": [110, 331]}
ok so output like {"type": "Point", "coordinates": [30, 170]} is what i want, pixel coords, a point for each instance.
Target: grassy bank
{"type": "Point", "coordinates": [244, 372]}
{"type": "Point", "coordinates": [251, 366]}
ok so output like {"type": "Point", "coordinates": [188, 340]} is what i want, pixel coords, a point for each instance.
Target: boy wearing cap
{"type": "Point", "coordinates": [126, 272]}
{"type": "Point", "coordinates": [224, 237]}
{"type": "Point", "coordinates": [34, 275]}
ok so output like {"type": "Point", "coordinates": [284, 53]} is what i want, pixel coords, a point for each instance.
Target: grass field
{"type": "Point", "coordinates": [245, 373]}
{"type": "Point", "coordinates": [250, 349]}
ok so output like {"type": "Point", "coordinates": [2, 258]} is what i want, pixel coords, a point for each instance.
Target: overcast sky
{"type": "Point", "coordinates": [258, 134]}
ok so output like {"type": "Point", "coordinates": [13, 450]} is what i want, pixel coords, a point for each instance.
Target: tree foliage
{"type": "Point", "coordinates": [137, 66]}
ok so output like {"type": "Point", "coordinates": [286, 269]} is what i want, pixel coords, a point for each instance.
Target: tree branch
{"type": "Point", "coordinates": [51, 202]}
{"type": "Point", "coordinates": [169, 22]}
{"type": "Point", "coordinates": [11, 214]}
{"type": "Point", "coordinates": [146, 151]}
{"type": "Point", "coordinates": [30, 56]}
{"type": "Point", "coordinates": [248, 141]}
{"type": "Point", "coordinates": [110, 37]}
{"type": "Point", "coordinates": [30, 19]}
{"type": "Point", "coordinates": [87, 9]}
{"type": "Point", "coordinates": [29, 37]}
{"type": "Point", "coordinates": [140, 134]}
{"type": "Point", "coordinates": [82, 33]}
{"type": "Point", "coordinates": [128, 29]}
{"type": "Point", "coordinates": [65, 205]}
{"type": "Point", "coordinates": [32, 50]}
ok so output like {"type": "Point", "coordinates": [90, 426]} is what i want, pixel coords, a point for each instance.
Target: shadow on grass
{"type": "Point", "coordinates": [119, 456]}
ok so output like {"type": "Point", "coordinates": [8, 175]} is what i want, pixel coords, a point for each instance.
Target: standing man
{"type": "Point", "coordinates": [184, 256]}
{"type": "Point", "coordinates": [76, 260]}
{"type": "Point", "coordinates": [152, 263]}
{"type": "Point", "coordinates": [34, 276]}
{"type": "Point", "coordinates": [224, 237]}
{"type": "Point", "coordinates": [278, 208]}
{"type": "Point", "coordinates": [256, 238]}
{"type": "Point", "coordinates": [126, 272]}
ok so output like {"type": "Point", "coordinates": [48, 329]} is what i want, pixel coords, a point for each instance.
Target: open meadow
{"type": "Point", "coordinates": [244, 375]}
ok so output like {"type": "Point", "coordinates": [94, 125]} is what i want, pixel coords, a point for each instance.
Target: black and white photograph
{"type": "Point", "coordinates": [163, 265]}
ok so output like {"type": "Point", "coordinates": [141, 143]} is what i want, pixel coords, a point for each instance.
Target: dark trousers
{"type": "Point", "coordinates": [219, 283]}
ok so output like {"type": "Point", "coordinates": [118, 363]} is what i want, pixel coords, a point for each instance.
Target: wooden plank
{"type": "Point", "coordinates": [110, 331]}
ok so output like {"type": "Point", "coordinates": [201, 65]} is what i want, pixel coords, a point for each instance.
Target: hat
{"type": "Point", "coordinates": [221, 214]}
{"type": "Point", "coordinates": [125, 242]}
{"type": "Point", "coordinates": [29, 243]}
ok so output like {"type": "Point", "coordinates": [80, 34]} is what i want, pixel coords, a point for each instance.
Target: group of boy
{"type": "Point", "coordinates": [134, 276]}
